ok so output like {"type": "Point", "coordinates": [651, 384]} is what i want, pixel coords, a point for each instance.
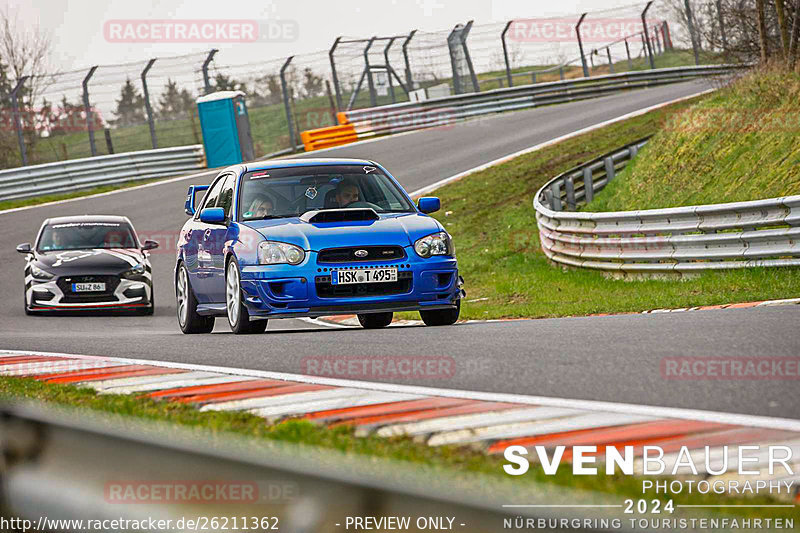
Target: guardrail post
{"type": "Point", "coordinates": [88, 109]}
{"type": "Point", "coordinates": [505, 53]}
{"type": "Point", "coordinates": [409, 77]}
{"type": "Point", "coordinates": [610, 171]}
{"type": "Point", "coordinates": [580, 46]}
{"type": "Point", "coordinates": [634, 150]}
{"type": "Point", "coordinates": [555, 201]}
{"type": "Point", "coordinates": [561, 72]}
{"type": "Point", "coordinates": [206, 79]}
{"type": "Point", "coordinates": [147, 105]}
{"type": "Point", "coordinates": [569, 186]}
{"type": "Point", "coordinates": [333, 73]}
{"type": "Point", "coordinates": [373, 99]}
{"type": "Point", "coordinates": [286, 106]}
{"type": "Point", "coordinates": [463, 37]}
{"type": "Point", "coordinates": [648, 49]}
{"type": "Point", "coordinates": [388, 67]}
{"type": "Point", "coordinates": [17, 120]}
{"type": "Point", "coordinates": [610, 62]}
{"type": "Point", "coordinates": [533, 77]}
{"type": "Point", "coordinates": [588, 184]}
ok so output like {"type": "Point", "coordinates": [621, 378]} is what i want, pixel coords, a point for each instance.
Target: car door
{"type": "Point", "coordinates": [197, 241]}
{"type": "Point", "coordinates": [216, 236]}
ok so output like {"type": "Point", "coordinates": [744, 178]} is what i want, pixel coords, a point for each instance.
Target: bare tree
{"type": "Point", "coordinates": [782, 27]}
{"type": "Point", "coordinates": [762, 30]}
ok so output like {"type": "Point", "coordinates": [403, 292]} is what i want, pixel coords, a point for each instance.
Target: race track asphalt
{"type": "Point", "coordinates": [615, 358]}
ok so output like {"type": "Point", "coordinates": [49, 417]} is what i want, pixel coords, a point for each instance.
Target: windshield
{"type": "Point", "coordinates": [290, 192]}
{"type": "Point", "coordinates": [86, 235]}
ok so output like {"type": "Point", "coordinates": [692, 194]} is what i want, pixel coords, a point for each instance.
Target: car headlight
{"type": "Point", "coordinates": [435, 244]}
{"type": "Point", "coordinates": [135, 272]}
{"type": "Point", "coordinates": [38, 273]}
{"type": "Point", "coordinates": [277, 253]}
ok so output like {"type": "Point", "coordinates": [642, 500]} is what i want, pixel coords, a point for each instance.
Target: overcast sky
{"type": "Point", "coordinates": [76, 26]}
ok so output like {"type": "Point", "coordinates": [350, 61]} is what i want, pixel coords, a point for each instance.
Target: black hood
{"type": "Point", "coordinates": [96, 261]}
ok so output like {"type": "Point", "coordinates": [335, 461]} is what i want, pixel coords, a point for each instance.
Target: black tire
{"type": "Point", "coordinates": [375, 320]}
{"type": "Point", "coordinates": [238, 316]}
{"type": "Point", "coordinates": [190, 322]}
{"type": "Point", "coordinates": [441, 317]}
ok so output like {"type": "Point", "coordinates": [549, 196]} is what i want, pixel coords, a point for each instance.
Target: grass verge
{"type": "Point", "coordinates": [460, 460]}
{"type": "Point", "coordinates": [491, 218]}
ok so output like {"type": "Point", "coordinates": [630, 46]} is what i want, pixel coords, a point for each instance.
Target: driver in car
{"type": "Point", "coordinates": [260, 207]}
{"type": "Point", "coordinates": [346, 193]}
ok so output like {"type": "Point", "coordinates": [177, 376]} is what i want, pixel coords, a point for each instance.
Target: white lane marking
{"type": "Point", "coordinates": [769, 422]}
{"type": "Point", "coordinates": [433, 186]}
{"type": "Point", "coordinates": [460, 422]}
{"type": "Point", "coordinates": [332, 403]}
{"type": "Point", "coordinates": [536, 427]}
{"type": "Point", "coordinates": [284, 399]}
{"type": "Point", "coordinates": [786, 301]}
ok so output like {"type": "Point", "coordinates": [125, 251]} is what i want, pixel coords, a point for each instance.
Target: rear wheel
{"type": "Point", "coordinates": [375, 320]}
{"type": "Point", "coordinates": [188, 319]}
{"type": "Point", "coordinates": [441, 317]}
{"type": "Point", "coordinates": [238, 316]}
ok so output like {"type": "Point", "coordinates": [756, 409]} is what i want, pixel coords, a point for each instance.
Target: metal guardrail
{"type": "Point", "coordinates": [77, 174]}
{"type": "Point", "coordinates": [76, 465]}
{"type": "Point", "coordinates": [407, 116]}
{"type": "Point", "coordinates": [672, 240]}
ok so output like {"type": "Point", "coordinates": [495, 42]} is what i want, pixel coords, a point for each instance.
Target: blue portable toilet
{"type": "Point", "coordinates": [226, 128]}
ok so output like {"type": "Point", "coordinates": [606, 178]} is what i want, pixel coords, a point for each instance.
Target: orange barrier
{"type": "Point", "coordinates": [327, 137]}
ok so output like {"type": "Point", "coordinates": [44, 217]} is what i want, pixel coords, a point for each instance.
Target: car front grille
{"type": "Point", "coordinates": [362, 290]}
{"type": "Point", "coordinates": [65, 284]}
{"type": "Point", "coordinates": [349, 254]}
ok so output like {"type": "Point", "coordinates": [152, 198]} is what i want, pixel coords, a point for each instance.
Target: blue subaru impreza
{"type": "Point", "coordinates": [308, 238]}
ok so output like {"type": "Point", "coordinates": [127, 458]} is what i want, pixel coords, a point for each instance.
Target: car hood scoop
{"type": "Point", "coordinates": [339, 215]}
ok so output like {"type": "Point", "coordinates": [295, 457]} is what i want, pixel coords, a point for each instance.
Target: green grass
{"type": "Point", "coordinates": [491, 218]}
{"type": "Point", "coordinates": [473, 463]}
{"type": "Point", "coordinates": [738, 144]}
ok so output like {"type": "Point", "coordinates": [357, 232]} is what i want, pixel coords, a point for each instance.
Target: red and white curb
{"type": "Point", "coordinates": [486, 421]}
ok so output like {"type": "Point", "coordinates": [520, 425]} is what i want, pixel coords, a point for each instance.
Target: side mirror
{"type": "Point", "coordinates": [149, 245]}
{"type": "Point", "coordinates": [429, 204]}
{"type": "Point", "coordinates": [188, 206]}
{"type": "Point", "coordinates": [24, 248]}
{"type": "Point", "coordinates": [212, 215]}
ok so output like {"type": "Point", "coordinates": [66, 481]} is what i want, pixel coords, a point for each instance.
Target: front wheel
{"type": "Point", "coordinates": [441, 317]}
{"type": "Point", "coordinates": [188, 319]}
{"type": "Point", "coordinates": [238, 317]}
{"type": "Point", "coordinates": [375, 320]}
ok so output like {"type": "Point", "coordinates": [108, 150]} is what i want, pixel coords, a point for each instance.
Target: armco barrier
{"type": "Point", "coordinates": [326, 137]}
{"type": "Point", "coordinates": [674, 240]}
{"type": "Point", "coordinates": [407, 116]}
{"type": "Point", "coordinates": [76, 174]}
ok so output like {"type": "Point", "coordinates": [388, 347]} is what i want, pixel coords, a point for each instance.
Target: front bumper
{"type": "Point", "coordinates": [48, 296]}
{"type": "Point", "coordinates": [285, 291]}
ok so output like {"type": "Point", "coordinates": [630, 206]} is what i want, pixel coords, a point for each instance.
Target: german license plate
{"type": "Point", "coordinates": [88, 287]}
{"type": "Point", "coordinates": [363, 275]}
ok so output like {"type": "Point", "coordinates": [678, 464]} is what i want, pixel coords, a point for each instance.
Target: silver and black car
{"type": "Point", "coordinates": [90, 262]}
